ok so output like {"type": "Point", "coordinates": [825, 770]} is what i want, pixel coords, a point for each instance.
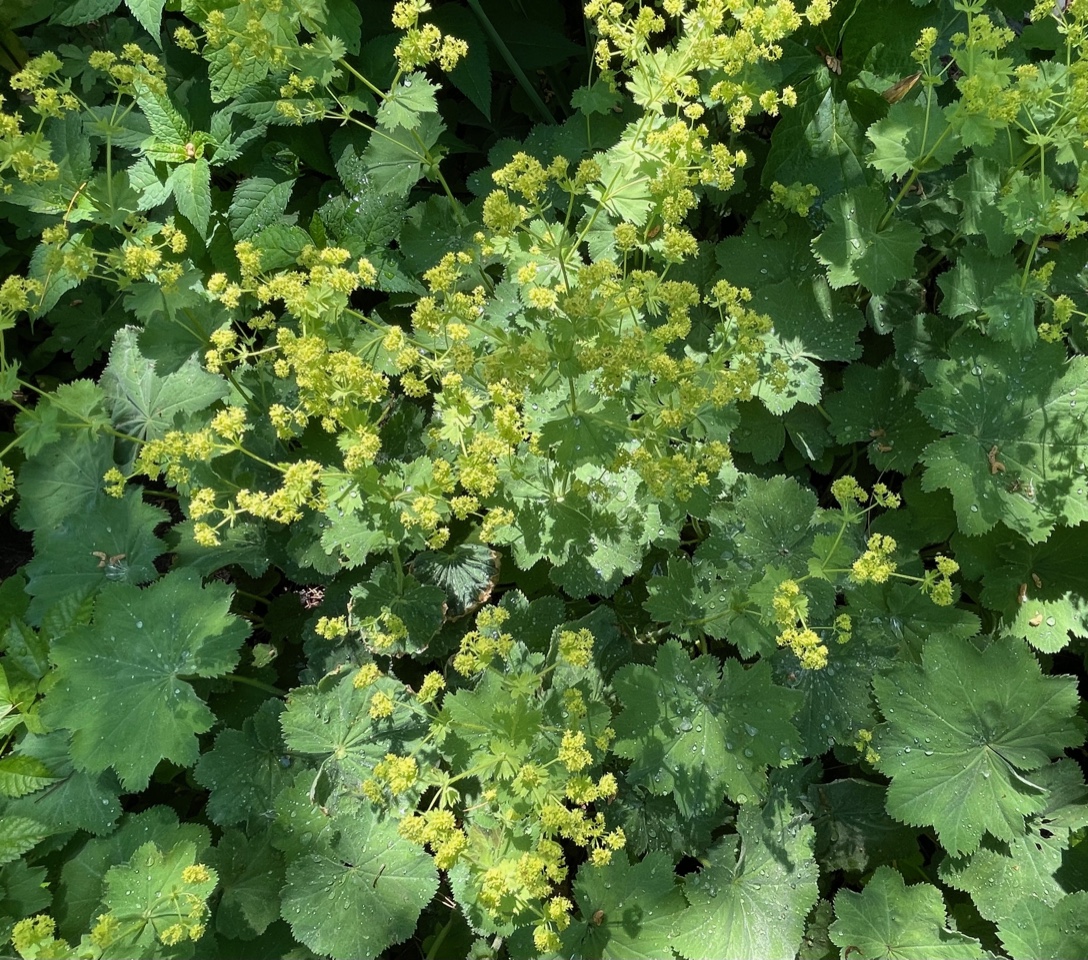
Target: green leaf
{"type": "Point", "coordinates": [83, 11]}
{"type": "Point", "coordinates": [18, 835]}
{"type": "Point", "coordinates": [779, 517]}
{"type": "Point", "coordinates": [978, 190]}
{"type": "Point", "coordinates": [1055, 590]}
{"type": "Point", "coordinates": [245, 769]}
{"type": "Point", "coordinates": [395, 160]}
{"type": "Point", "coordinates": [65, 478]}
{"type": "Point", "coordinates": [876, 407]}
{"type": "Point", "coordinates": [788, 286]}
{"type": "Point", "coordinates": [251, 874]}
{"type": "Point", "coordinates": [144, 894]}
{"type": "Point", "coordinates": [168, 126]}
{"type": "Point", "coordinates": [1000, 876]}
{"type": "Point", "coordinates": [421, 607]}
{"type": "Point", "coordinates": [854, 832]}
{"type": "Point", "coordinates": [408, 102]}
{"type": "Point", "coordinates": [115, 543]}
{"type": "Point", "coordinates": [911, 137]}
{"type": "Point", "coordinates": [149, 13]}
{"type": "Point", "coordinates": [361, 892]}
{"type": "Point", "coordinates": [191, 184]}
{"type": "Point", "coordinates": [1034, 929]}
{"type": "Point", "coordinates": [258, 202]}
{"type": "Point", "coordinates": [628, 912]}
{"type": "Point", "coordinates": [962, 732]}
{"type": "Point", "coordinates": [467, 573]}
{"type": "Point", "coordinates": [890, 921]}
{"type": "Point", "coordinates": [146, 404]}
{"type": "Point", "coordinates": [1027, 408]}
{"type": "Point", "coordinates": [73, 799]}
{"type": "Point", "coordinates": [857, 247]}
{"type": "Point", "coordinates": [694, 727]}
{"type": "Point", "coordinates": [817, 142]}
{"type": "Point", "coordinates": [20, 775]}
{"type": "Point", "coordinates": [122, 686]}
{"type": "Point", "coordinates": [81, 887]}
{"type": "Point", "coordinates": [752, 898]}
{"type": "Point", "coordinates": [330, 721]}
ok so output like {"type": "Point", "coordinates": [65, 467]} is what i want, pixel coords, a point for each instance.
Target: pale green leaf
{"type": "Point", "coordinates": [890, 921]}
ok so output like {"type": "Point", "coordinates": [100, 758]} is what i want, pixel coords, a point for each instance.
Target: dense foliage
{"type": "Point", "coordinates": [496, 479]}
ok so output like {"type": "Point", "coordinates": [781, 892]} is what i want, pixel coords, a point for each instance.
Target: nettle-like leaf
{"type": "Point", "coordinates": [859, 247]}
{"type": "Point", "coordinates": [122, 681]}
{"type": "Point", "coordinates": [629, 912]}
{"type": "Point", "coordinates": [257, 202]}
{"type": "Point", "coordinates": [752, 898]}
{"type": "Point", "coordinates": [964, 731]}
{"type": "Point", "coordinates": [361, 890]}
{"type": "Point", "coordinates": [67, 799]}
{"type": "Point", "coordinates": [695, 727]}
{"type": "Point", "coordinates": [890, 921]}
{"type": "Point", "coordinates": [1015, 435]}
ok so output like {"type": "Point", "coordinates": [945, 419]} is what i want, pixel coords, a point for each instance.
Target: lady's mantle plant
{"type": "Point", "coordinates": [619, 494]}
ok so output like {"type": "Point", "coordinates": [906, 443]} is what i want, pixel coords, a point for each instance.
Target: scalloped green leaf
{"type": "Point", "coordinates": [628, 912]}
{"type": "Point", "coordinates": [330, 721]}
{"type": "Point", "coordinates": [123, 682]}
{"type": "Point", "coordinates": [245, 770]}
{"type": "Point", "coordinates": [862, 245]}
{"type": "Point", "coordinates": [362, 891]}
{"type": "Point", "coordinates": [890, 921]}
{"type": "Point", "coordinates": [752, 898]}
{"type": "Point", "coordinates": [146, 404]}
{"type": "Point", "coordinates": [1035, 929]}
{"type": "Point", "coordinates": [695, 727]}
{"type": "Point", "coordinates": [963, 733]}
{"type": "Point", "coordinates": [1015, 436]}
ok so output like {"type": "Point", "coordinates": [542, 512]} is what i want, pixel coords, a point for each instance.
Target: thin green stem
{"type": "Point", "coordinates": [515, 67]}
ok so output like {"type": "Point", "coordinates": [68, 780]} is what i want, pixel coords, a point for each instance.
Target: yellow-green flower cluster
{"type": "Point", "coordinates": [399, 774]}
{"type": "Point", "coordinates": [438, 830]}
{"type": "Point", "coordinates": [432, 685]}
{"type": "Point", "coordinates": [806, 646]}
{"type": "Point", "coordinates": [875, 565]}
{"type": "Point", "coordinates": [938, 584]}
{"type": "Point", "coordinates": [40, 81]}
{"type": "Point", "coordinates": [797, 198]}
{"type": "Point", "coordinates": [134, 65]}
{"type": "Point", "coordinates": [421, 45]}
{"type": "Point", "coordinates": [487, 642]}
{"type": "Point", "coordinates": [576, 647]}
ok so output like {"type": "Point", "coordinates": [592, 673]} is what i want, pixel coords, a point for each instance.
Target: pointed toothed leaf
{"type": "Point", "coordinates": [1034, 929]}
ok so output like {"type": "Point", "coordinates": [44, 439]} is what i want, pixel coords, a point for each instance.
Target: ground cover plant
{"type": "Point", "coordinates": [504, 479]}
